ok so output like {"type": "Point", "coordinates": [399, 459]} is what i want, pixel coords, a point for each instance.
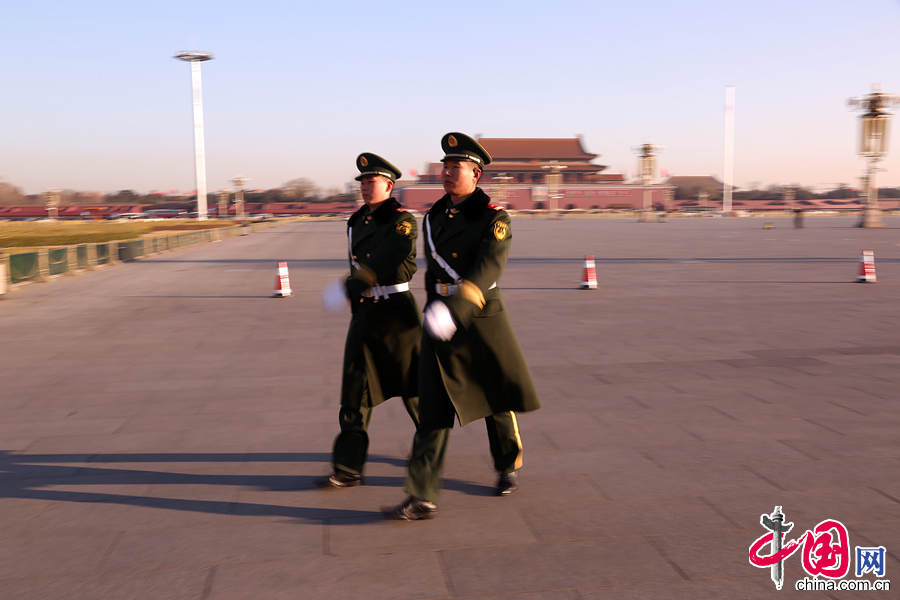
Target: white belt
{"type": "Point", "coordinates": [444, 289]}
{"type": "Point", "coordinates": [383, 291]}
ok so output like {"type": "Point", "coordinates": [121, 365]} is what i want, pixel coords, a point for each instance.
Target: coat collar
{"type": "Point", "coordinates": [473, 208]}
{"type": "Point", "coordinates": [385, 211]}
{"type": "Point", "coordinates": [382, 214]}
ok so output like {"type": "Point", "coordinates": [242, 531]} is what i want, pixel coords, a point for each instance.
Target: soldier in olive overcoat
{"type": "Point", "coordinates": [382, 349]}
{"type": "Point", "coordinates": [471, 366]}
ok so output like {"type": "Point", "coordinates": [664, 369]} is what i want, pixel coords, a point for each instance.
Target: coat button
{"type": "Point", "coordinates": [367, 255]}
{"type": "Point", "coordinates": [455, 255]}
{"type": "Point", "coordinates": [354, 257]}
{"type": "Point", "coordinates": [360, 299]}
{"type": "Point", "coordinates": [451, 216]}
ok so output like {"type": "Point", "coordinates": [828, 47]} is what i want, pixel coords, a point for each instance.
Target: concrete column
{"type": "Point", "coordinates": [91, 257]}
{"type": "Point", "coordinates": [43, 266]}
{"type": "Point", "coordinates": [113, 252]}
{"type": "Point", "coordinates": [72, 261]}
{"type": "Point", "coordinates": [4, 274]}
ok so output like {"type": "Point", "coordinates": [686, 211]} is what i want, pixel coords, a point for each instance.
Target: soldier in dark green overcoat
{"type": "Point", "coordinates": [471, 366]}
{"type": "Point", "coordinates": [382, 349]}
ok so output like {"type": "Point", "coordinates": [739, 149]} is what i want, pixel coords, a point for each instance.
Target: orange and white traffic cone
{"type": "Point", "coordinates": [866, 267]}
{"type": "Point", "coordinates": [282, 282]}
{"type": "Point", "coordinates": [589, 280]}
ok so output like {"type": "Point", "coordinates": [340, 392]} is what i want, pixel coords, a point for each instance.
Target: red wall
{"type": "Point", "coordinates": [422, 197]}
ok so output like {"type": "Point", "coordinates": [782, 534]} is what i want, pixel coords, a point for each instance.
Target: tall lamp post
{"type": "Point", "coordinates": [501, 191]}
{"type": "Point", "coordinates": [223, 203]}
{"type": "Point", "coordinates": [195, 58]}
{"type": "Point", "coordinates": [52, 204]}
{"type": "Point", "coordinates": [646, 167]}
{"type": "Point", "coordinates": [553, 180]}
{"type": "Point", "coordinates": [239, 196]}
{"type": "Point", "coordinates": [873, 144]}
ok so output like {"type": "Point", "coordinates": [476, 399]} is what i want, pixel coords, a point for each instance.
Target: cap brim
{"type": "Point", "coordinates": [385, 174]}
{"type": "Point", "coordinates": [465, 157]}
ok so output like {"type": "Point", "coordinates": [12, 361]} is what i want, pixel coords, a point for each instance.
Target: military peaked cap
{"type": "Point", "coordinates": [372, 165]}
{"type": "Point", "coordinates": [459, 146]}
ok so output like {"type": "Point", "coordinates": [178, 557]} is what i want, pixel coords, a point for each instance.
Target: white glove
{"type": "Point", "coordinates": [439, 322]}
{"type": "Point", "coordinates": [334, 297]}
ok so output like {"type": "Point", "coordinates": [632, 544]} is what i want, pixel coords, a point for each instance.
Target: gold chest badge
{"type": "Point", "coordinates": [404, 228]}
{"type": "Point", "coordinates": [500, 230]}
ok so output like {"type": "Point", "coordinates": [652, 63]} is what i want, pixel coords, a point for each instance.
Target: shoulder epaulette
{"type": "Point", "coordinates": [494, 207]}
{"type": "Point", "coordinates": [401, 209]}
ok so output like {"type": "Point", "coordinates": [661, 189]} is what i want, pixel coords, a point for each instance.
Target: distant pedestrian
{"type": "Point", "coordinates": [381, 355]}
{"type": "Point", "coordinates": [471, 365]}
{"type": "Point", "coordinates": [798, 218]}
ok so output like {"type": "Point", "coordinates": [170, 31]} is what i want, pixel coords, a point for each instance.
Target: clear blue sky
{"type": "Point", "coordinates": [91, 98]}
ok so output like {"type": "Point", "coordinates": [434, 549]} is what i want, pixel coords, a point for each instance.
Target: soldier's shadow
{"type": "Point", "coordinates": [39, 476]}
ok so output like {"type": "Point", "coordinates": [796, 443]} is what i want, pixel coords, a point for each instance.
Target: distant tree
{"type": "Point", "coordinates": [841, 192]}
{"type": "Point", "coordinates": [9, 194]}
{"type": "Point", "coordinates": [300, 190]}
{"type": "Point", "coordinates": [803, 193]}
{"type": "Point", "coordinates": [123, 197]}
{"type": "Point", "coordinates": [267, 196]}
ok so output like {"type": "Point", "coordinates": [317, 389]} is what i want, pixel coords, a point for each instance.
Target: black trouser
{"type": "Point", "coordinates": [423, 480]}
{"type": "Point", "coordinates": [352, 443]}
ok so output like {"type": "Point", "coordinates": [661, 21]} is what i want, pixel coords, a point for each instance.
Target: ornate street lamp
{"type": "Point", "coordinates": [52, 204]}
{"type": "Point", "coordinates": [195, 58]}
{"type": "Point", "coordinates": [554, 178]}
{"type": "Point", "coordinates": [646, 167]}
{"type": "Point", "coordinates": [873, 144]}
{"type": "Point", "coordinates": [239, 196]}
{"type": "Point", "coordinates": [223, 203]}
{"type": "Point", "coordinates": [501, 191]}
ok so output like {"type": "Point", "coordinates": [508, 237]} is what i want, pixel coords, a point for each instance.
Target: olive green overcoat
{"type": "Point", "coordinates": [482, 367]}
{"type": "Point", "coordinates": [384, 338]}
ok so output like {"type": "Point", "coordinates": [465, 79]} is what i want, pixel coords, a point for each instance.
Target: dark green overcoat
{"type": "Point", "coordinates": [383, 343]}
{"type": "Point", "coordinates": [482, 367]}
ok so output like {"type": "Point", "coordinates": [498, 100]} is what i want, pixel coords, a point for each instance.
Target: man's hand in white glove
{"type": "Point", "coordinates": [334, 297]}
{"type": "Point", "coordinates": [439, 322]}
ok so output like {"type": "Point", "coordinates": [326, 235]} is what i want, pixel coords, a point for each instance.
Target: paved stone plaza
{"type": "Point", "coordinates": [162, 422]}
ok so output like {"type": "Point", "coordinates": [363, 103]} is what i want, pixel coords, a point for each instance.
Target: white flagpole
{"type": "Point", "coordinates": [729, 147]}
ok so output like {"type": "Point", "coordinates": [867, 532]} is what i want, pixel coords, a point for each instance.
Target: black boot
{"type": "Point", "coordinates": [412, 509]}
{"type": "Point", "coordinates": [339, 479]}
{"type": "Point", "coordinates": [508, 483]}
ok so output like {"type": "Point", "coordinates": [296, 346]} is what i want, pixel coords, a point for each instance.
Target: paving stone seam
{"type": "Point", "coordinates": [724, 414]}
{"type": "Point", "coordinates": [28, 521]}
{"type": "Point", "coordinates": [650, 459]}
{"type": "Point", "coordinates": [534, 531]}
{"type": "Point", "coordinates": [208, 583]}
{"type": "Point", "coordinates": [885, 494]}
{"type": "Point", "coordinates": [720, 512]}
{"type": "Point", "coordinates": [109, 551]}
{"type": "Point", "coordinates": [662, 553]}
{"type": "Point", "coordinates": [787, 444]}
{"type": "Point", "coordinates": [763, 477]}
{"type": "Point", "coordinates": [597, 487]}
{"type": "Point", "coordinates": [879, 396]}
{"type": "Point", "coordinates": [445, 574]}
{"type": "Point", "coordinates": [691, 433]}
{"type": "Point", "coordinates": [825, 427]}
{"type": "Point", "coordinates": [326, 539]}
